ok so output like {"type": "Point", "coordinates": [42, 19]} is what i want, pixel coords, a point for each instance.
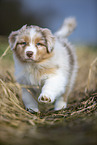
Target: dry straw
{"type": "Point", "coordinates": [5, 52]}
{"type": "Point", "coordinates": [90, 74]}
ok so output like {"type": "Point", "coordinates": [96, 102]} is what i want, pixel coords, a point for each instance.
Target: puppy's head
{"type": "Point", "coordinates": [32, 43]}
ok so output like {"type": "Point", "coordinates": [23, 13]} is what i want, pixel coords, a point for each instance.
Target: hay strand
{"type": "Point", "coordinates": [5, 52]}
{"type": "Point", "coordinates": [89, 74]}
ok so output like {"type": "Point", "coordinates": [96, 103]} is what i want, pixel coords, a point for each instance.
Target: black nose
{"type": "Point", "coordinates": [29, 53]}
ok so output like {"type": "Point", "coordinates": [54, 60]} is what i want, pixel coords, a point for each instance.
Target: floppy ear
{"type": "Point", "coordinates": [49, 38]}
{"type": "Point", "coordinates": [13, 39]}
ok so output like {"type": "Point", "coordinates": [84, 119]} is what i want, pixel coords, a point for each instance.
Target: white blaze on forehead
{"type": "Point", "coordinates": [32, 33]}
{"type": "Point", "coordinates": [31, 46]}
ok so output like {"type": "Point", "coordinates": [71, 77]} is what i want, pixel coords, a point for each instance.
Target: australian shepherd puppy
{"type": "Point", "coordinates": [45, 60]}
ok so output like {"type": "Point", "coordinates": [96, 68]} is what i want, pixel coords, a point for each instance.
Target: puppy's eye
{"type": "Point", "coordinates": [38, 44]}
{"type": "Point", "coordinates": [22, 43]}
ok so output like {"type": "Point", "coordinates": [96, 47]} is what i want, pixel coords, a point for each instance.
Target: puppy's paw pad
{"type": "Point", "coordinates": [44, 99]}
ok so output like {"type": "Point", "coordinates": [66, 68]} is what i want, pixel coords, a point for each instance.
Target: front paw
{"type": "Point", "coordinates": [45, 99]}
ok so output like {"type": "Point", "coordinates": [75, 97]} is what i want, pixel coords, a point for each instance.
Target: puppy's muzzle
{"type": "Point", "coordinates": [29, 53]}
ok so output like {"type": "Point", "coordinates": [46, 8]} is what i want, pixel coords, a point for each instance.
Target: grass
{"type": "Point", "coordinates": [18, 126]}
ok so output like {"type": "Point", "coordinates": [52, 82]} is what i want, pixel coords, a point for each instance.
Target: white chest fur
{"type": "Point", "coordinates": [25, 73]}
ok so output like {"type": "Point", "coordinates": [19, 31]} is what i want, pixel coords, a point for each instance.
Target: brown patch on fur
{"type": "Point", "coordinates": [42, 53]}
{"type": "Point", "coordinates": [44, 70]}
{"type": "Point", "coordinates": [45, 57]}
{"type": "Point", "coordinates": [26, 39]}
{"type": "Point", "coordinates": [19, 52]}
{"type": "Point", "coordinates": [39, 40]}
{"type": "Point", "coordinates": [47, 71]}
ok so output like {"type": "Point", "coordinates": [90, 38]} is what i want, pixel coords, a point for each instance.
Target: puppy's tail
{"type": "Point", "coordinates": [67, 28]}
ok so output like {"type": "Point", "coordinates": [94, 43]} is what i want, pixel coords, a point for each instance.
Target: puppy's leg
{"type": "Point", "coordinates": [53, 88]}
{"type": "Point", "coordinates": [60, 103]}
{"type": "Point", "coordinates": [30, 104]}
